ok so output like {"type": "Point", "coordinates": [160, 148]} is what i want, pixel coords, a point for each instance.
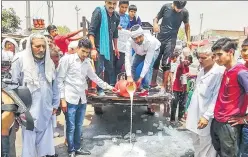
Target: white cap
{"type": "Point", "coordinates": [186, 51]}
{"type": "Point", "coordinates": [73, 44]}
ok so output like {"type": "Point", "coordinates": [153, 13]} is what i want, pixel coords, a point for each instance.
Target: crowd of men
{"type": "Point", "coordinates": [55, 68]}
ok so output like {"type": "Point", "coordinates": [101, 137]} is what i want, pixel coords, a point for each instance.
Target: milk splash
{"type": "Point", "coordinates": [131, 89]}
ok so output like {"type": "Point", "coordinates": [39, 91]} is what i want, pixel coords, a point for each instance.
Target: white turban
{"type": "Point", "coordinates": [137, 33]}
{"type": "Point", "coordinates": [73, 44]}
{"type": "Point", "coordinates": [12, 41]}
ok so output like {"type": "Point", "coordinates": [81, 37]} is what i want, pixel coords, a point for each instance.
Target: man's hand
{"type": "Point", "coordinates": [156, 28]}
{"type": "Point", "coordinates": [114, 90]}
{"type": "Point", "coordinates": [117, 53]}
{"type": "Point", "coordinates": [188, 44]}
{"type": "Point", "coordinates": [203, 122]}
{"type": "Point", "coordinates": [188, 75]}
{"type": "Point", "coordinates": [63, 105]}
{"type": "Point", "coordinates": [94, 54]}
{"type": "Point", "coordinates": [119, 27]}
{"type": "Point", "coordinates": [236, 121]}
{"type": "Point", "coordinates": [138, 83]}
{"type": "Point", "coordinates": [54, 111]}
{"type": "Point", "coordinates": [129, 79]}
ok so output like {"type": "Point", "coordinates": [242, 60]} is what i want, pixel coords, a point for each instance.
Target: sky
{"type": "Point", "coordinates": [224, 15]}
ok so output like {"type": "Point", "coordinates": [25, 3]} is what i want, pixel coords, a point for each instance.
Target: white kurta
{"type": "Point", "coordinates": [202, 105]}
{"type": "Point", "coordinates": [39, 142]}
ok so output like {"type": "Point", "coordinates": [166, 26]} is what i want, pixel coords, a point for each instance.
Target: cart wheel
{"type": "Point", "coordinates": [150, 111]}
{"type": "Point", "coordinates": [98, 110]}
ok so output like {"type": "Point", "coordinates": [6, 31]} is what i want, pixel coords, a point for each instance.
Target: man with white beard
{"type": "Point", "coordinates": [35, 69]}
{"type": "Point", "coordinates": [201, 108]}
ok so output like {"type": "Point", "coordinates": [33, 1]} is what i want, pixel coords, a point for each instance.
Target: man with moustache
{"type": "Point", "coordinates": [103, 32]}
{"type": "Point", "coordinates": [201, 108]}
{"type": "Point", "coordinates": [146, 49]}
{"type": "Point", "coordinates": [35, 69]}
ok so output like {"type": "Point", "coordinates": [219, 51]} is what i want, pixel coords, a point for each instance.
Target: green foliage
{"type": "Point", "coordinates": [181, 34]}
{"type": "Point", "coordinates": [10, 21]}
{"type": "Point", "coordinates": [62, 30]}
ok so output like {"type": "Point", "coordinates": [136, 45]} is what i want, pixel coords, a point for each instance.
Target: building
{"type": "Point", "coordinates": [214, 35]}
{"type": "Point", "coordinates": [223, 33]}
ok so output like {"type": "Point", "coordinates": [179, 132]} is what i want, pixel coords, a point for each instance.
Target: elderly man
{"type": "Point", "coordinates": [103, 33]}
{"type": "Point", "coordinates": [72, 47]}
{"type": "Point", "coordinates": [201, 108]}
{"type": "Point", "coordinates": [35, 69]}
{"type": "Point", "coordinates": [232, 100]}
{"type": "Point", "coordinates": [146, 48]}
{"type": "Point", "coordinates": [10, 47]}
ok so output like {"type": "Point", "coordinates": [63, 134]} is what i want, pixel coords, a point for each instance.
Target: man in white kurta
{"type": "Point", "coordinates": [200, 111]}
{"type": "Point", "coordinates": [146, 49]}
{"type": "Point", "coordinates": [35, 69]}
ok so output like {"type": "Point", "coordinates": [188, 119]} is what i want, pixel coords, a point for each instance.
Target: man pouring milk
{"type": "Point", "coordinates": [146, 49]}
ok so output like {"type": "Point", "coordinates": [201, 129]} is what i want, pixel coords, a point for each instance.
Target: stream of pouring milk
{"type": "Point", "coordinates": [130, 90]}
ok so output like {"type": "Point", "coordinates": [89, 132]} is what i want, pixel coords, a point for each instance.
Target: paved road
{"type": "Point", "coordinates": [104, 135]}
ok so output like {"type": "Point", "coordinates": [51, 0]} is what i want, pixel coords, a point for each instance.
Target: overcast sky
{"type": "Point", "coordinates": [226, 15]}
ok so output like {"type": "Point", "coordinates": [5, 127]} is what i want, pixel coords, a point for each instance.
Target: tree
{"type": "Point", "coordinates": [62, 30]}
{"type": "Point", "coordinates": [10, 21]}
{"type": "Point", "coordinates": [181, 34]}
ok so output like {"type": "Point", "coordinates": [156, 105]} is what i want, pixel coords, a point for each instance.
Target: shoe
{"type": "Point", "coordinates": [56, 134]}
{"type": "Point", "coordinates": [82, 152]}
{"type": "Point", "coordinates": [153, 85]}
{"type": "Point", "coordinates": [72, 154]}
{"type": "Point", "coordinates": [101, 93]}
{"type": "Point", "coordinates": [144, 93]}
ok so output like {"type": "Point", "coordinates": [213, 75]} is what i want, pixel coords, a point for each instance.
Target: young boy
{"type": "Point", "coordinates": [231, 101]}
{"type": "Point", "coordinates": [124, 18]}
{"type": "Point", "coordinates": [124, 21]}
{"type": "Point", "coordinates": [72, 72]}
{"type": "Point", "coordinates": [180, 89]}
{"type": "Point", "coordinates": [244, 119]}
{"type": "Point", "coordinates": [134, 20]}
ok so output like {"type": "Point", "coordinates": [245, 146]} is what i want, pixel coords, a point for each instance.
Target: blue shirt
{"type": "Point", "coordinates": [124, 20]}
{"type": "Point", "coordinates": [135, 21]}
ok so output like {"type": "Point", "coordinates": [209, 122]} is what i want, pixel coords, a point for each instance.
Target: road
{"type": "Point", "coordinates": [104, 135]}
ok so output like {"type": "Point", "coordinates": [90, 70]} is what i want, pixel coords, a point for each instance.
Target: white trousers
{"type": "Point", "coordinates": [38, 143]}
{"type": "Point", "coordinates": [203, 146]}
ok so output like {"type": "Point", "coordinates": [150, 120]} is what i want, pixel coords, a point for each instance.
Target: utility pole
{"type": "Point", "coordinates": [49, 13]}
{"type": "Point", "coordinates": [199, 38]}
{"type": "Point", "coordinates": [77, 10]}
{"type": "Point", "coordinates": [28, 18]}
